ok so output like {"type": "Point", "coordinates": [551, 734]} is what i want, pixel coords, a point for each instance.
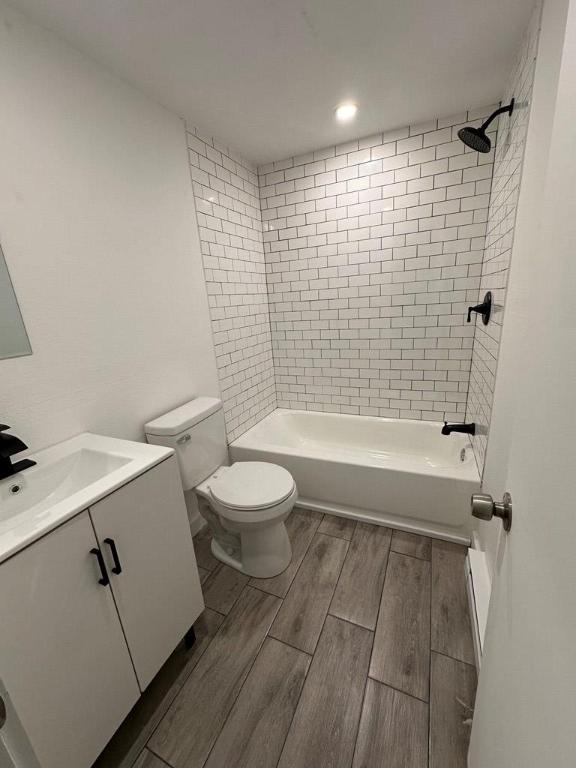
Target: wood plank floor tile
{"type": "Point", "coordinates": [334, 525]}
{"type": "Point", "coordinates": [393, 730]}
{"type": "Point", "coordinates": [359, 589]}
{"type": "Point", "coordinates": [301, 525]}
{"type": "Point", "coordinates": [452, 690]}
{"type": "Point", "coordinates": [187, 733]}
{"type": "Point", "coordinates": [223, 588]}
{"type": "Point", "coordinates": [323, 732]}
{"type": "Point", "coordinates": [202, 548]}
{"type": "Point", "coordinates": [401, 653]}
{"type": "Point", "coordinates": [148, 760]}
{"type": "Point", "coordinates": [412, 544]}
{"type": "Point", "coordinates": [451, 627]}
{"type": "Point", "coordinates": [203, 573]}
{"type": "Point", "coordinates": [130, 739]}
{"type": "Point", "coordinates": [256, 728]}
{"type": "Point", "coordinates": [299, 621]}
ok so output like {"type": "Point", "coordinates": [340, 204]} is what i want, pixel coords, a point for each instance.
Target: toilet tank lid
{"type": "Point", "coordinates": [184, 417]}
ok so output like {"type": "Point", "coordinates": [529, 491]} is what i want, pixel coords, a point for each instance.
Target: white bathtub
{"type": "Point", "coordinates": [395, 472]}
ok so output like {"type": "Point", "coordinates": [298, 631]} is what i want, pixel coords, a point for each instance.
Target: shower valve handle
{"type": "Point", "coordinates": [483, 309]}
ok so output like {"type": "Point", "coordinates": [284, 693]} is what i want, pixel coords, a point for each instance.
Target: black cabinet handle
{"type": "Point", "coordinates": [117, 567]}
{"type": "Point", "coordinates": [104, 580]}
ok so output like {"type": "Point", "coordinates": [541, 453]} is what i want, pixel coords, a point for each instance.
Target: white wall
{"type": "Point", "coordinates": [373, 252]}
{"type": "Point", "coordinates": [525, 705]}
{"type": "Point", "coordinates": [230, 227]}
{"type": "Point", "coordinates": [97, 226]}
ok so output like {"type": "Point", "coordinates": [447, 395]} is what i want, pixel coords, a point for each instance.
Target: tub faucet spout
{"type": "Point", "coordinates": [468, 429]}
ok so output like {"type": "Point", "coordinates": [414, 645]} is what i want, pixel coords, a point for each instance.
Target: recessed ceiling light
{"type": "Point", "coordinates": [346, 112]}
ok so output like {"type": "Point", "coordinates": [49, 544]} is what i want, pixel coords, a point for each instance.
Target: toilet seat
{"type": "Point", "coordinates": [251, 486]}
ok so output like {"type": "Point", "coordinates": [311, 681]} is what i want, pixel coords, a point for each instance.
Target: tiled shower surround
{"type": "Point", "coordinates": [230, 228]}
{"type": "Point", "coordinates": [340, 280]}
{"type": "Point", "coordinates": [373, 254]}
{"type": "Point", "coordinates": [500, 233]}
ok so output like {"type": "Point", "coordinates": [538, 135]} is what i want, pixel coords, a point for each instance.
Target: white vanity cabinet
{"type": "Point", "coordinates": [63, 657]}
{"type": "Point", "coordinates": [143, 532]}
{"type": "Point", "coordinates": [78, 641]}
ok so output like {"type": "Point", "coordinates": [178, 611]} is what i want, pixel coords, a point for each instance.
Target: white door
{"type": "Point", "coordinates": [525, 714]}
{"type": "Point", "coordinates": [63, 657]}
{"type": "Point", "coordinates": [144, 533]}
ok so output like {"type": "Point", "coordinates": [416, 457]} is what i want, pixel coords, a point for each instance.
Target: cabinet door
{"type": "Point", "coordinates": [158, 590]}
{"type": "Point", "coordinates": [63, 657]}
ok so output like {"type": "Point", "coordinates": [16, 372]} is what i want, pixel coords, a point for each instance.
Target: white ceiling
{"type": "Point", "coordinates": [264, 76]}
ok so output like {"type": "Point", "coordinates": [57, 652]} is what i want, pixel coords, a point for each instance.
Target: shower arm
{"type": "Point", "coordinates": [495, 114]}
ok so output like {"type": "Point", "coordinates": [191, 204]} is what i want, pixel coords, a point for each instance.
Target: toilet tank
{"type": "Point", "coordinates": [197, 433]}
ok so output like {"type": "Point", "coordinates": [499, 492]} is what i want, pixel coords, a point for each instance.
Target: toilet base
{"type": "Point", "coordinates": [258, 550]}
{"type": "Point", "coordinates": [265, 552]}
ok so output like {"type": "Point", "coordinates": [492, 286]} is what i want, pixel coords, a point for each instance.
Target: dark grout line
{"type": "Point", "coordinates": [265, 591]}
{"type": "Point", "coordinates": [307, 671]}
{"type": "Point", "coordinates": [294, 712]}
{"type": "Point", "coordinates": [349, 621]}
{"type": "Point", "coordinates": [333, 536]}
{"type": "Point", "coordinates": [361, 710]}
{"type": "Point", "coordinates": [156, 756]}
{"type": "Point", "coordinates": [296, 572]}
{"type": "Point", "coordinates": [180, 689]}
{"type": "Point", "coordinates": [453, 658]}
{"type": "Point", "coordinates": [251, 667]}
{"type": "Point", "coordinates": [373, 633]}
{"type": "Point", "coordinates": [414, 557]}
{"type": "Point", "coordinates": [233, 604]}
{"type": "Point", "coordinates": [289, 645]}
{"type": "Point", "coordinates": [399, 690]}
{"type": "Point", "coordinates": [333, 591]}
{"type": "Point", "coordinates": [313, 656]}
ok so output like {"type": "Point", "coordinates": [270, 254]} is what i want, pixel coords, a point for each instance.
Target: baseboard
{"type": "Point", "coordinates": [390, 521]}
{"type": "Point", "coordinates": [478, 588]}
{"type": "Point", "coordinates": [197, 524]}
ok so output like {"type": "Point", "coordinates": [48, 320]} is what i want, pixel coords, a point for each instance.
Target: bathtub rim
{"type": "Point", "coordinates": [467, 471]}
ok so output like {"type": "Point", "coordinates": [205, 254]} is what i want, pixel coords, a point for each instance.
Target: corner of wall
{"type": "Point", "coordinates": [229, 222]}
{"type": "Point", "coordinates": [508, 162]}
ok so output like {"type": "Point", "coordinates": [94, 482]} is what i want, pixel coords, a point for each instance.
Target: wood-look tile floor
{"type": "Point", "coordinates": [359, 655]}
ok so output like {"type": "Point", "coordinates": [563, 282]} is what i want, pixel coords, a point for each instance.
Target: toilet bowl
{"type": "Point", "coordinates": [244, 504]}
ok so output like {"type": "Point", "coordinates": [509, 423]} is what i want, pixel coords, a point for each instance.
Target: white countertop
{"type": "Point", "coordinates": [67, 479]}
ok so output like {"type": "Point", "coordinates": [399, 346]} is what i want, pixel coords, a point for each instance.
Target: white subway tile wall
{"type": "Point", "coordinates": [500, 232]}
{"type": "Point", "coordinates": [373, 253]}
{"type": "Point", "coordinates": [230, 227]}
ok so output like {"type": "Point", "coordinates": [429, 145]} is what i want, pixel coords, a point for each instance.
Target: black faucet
{"type": "Point", "coordinates": [468, 429]}
{"type": "Point", "coordinates": [10, 445]}
{"type": "Point", "coordinates": [484, 309]}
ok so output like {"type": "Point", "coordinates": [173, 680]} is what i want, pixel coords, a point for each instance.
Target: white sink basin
{"type": "Point", "coordinates": [67, 479]}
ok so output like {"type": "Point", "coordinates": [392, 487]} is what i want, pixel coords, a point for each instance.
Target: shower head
{"type": "Point", "coordinates": [476, 138]}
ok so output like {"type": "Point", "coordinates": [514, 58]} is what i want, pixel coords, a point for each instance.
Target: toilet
{"type": "Point", "coordinates": [245, 504]}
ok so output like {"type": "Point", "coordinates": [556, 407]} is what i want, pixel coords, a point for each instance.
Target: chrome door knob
{"type": "Point", "coordinates": [485, 508]}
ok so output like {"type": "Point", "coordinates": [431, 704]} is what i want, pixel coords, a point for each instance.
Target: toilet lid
{"type": "Point", "coordinates": [252, 485]}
